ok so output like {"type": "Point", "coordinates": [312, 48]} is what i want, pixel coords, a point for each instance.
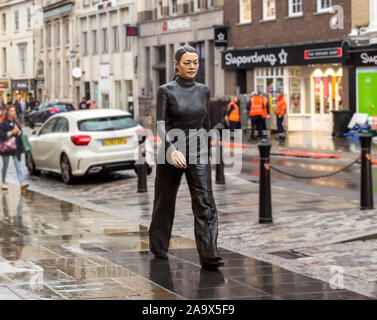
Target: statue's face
{"type": "Point", "coordinates": [188, 66]}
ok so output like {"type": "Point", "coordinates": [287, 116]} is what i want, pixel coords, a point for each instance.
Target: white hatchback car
{"type": "Point", "coordinates": [86, 142]}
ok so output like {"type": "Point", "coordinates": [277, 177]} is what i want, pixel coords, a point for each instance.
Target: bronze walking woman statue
{"type": "Point", "coordinates": [184, 104]}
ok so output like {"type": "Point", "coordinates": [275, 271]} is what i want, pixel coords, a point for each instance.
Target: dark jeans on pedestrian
{"type": "Point", "coordinates": [279, 122]}
{"type": "Point", "coordinates": [234, 125]}
{"type": "Point", "coordinates": [168, 179]}
{"type": "Point", "coordinates": [256, 122]}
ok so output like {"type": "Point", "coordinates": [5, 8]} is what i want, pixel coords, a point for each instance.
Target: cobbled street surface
{"type": "Point", "coordinates": [311, 235]}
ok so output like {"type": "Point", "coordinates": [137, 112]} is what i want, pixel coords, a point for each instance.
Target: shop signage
{"type": "Point", "coordinates": [4, 85]}
{"type": "Point", "coordinates": [105, 5]}
{"type": "Point", "coordinates": [175, 24]}
{"type": "Point", "coordinates": [283, 56]}
{"type": "Point", "coordinates": [28, 84]}
{"type": "Point", "coordinates": [256, 58]}
{"type": "Point", "coordinates": [132, 31]}
{"type": "Point", "coordinates": [221, 37]}
{"type": "Point", "coordinates": [324, 53]}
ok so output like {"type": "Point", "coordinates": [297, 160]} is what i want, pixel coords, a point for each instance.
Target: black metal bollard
{"type": "Point", "coordinates": [220, 176]}
{"type": "Point", "coordinates": [366, 188]}
{"type": "Point", "coordinates": [141, 167]}
{"type": "Point", "coordinates": [265, 208]}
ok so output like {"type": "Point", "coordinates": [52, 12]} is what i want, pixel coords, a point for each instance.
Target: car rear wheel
{"type": "Point", "coordinates": [66, 170]}
{"type": "Point", "coordinates": [149, 169]}
{"type": "Point", "coordinates": [30, 164]}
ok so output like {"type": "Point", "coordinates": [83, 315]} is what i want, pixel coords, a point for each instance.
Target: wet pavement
{"type": "Point", "coordinates": [315, 217]}
{"type": "Point", "coordinates": [51, 249]}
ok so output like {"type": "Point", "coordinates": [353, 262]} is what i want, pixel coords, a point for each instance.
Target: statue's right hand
{"type": "Point", "coordinates": [178, 159]}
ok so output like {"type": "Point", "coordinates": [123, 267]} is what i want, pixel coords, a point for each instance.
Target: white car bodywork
{"type": "Point", "coordinates": [48, 148]}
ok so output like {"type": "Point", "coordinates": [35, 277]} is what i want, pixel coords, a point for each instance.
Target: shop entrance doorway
{"type": "Point", "coordinates": [327, 95]}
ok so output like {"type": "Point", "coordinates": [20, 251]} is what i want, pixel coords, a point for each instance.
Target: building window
{"type": "Point", "coordinates": [66, 26]}
{"type": "Point", "coordinates": [28, 14]}
{"type": "Point", "coordinates": [85, 40]}
{"type": "Point", "coordinates": [104, 41]}
{"type": "Point", "coordinates": [16, 21]}
{"type": "Point", "coordinates": [269, 10]}
{"type": "Point", "coordinates": [22, 58]}
{"type": "Point", "coordinates": [324, 5]}
{"type": "Point", "coordinates": [245, 11]}
{"type": "Point", "coordinates": [197, 5]}
{"type": "Point", "coordinates": [5, 61]}
{"type": "Point", "coordinates": [116, 38]}
{"type": "Point", "coordinates": [127, 42]}
{"type": "Point", "coordinates": [57, 34]}
{"type": "Point", "coordinates": [173, 7]}
{"type": "Point", "coordinates": [160, 9]}
{"type": "Point", "coordinates": [295, 8]}
{"type": "Point", "coordinates": [48, 34]}
{"type": "Point", "coordinates": [94, 42]}
{"type": "Point", "coordinates": [201, 76]}
{"type": "Point", "coordinates": [210, 3]}
{"type": "Point", "coordinates": [4, 25]}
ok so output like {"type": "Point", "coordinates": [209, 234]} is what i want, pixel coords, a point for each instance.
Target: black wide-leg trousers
{"type": "Point", "coordinates": [198, 178]}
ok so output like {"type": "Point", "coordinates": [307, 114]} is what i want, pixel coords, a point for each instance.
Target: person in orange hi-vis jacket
{"type": "Point", "coordinates": [266, 109]}
{"type": "Point", "coordinates": [255, 108]}
{"type": "Point", "coordinates": [232, 116]}
{"type": "Point", "coordinates": [280, 111]}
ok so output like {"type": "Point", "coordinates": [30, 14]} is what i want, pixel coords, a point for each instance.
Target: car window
{"type": "Point", "coordinates": [61, 125]}
{"type": "Point", "coordinates": [107, 124]}
{"type": "Point", "coordinates": [44, 105]}
{"type": "Point", "coordinates": [64, 106]}
{"type": "Point", "coordinates": [47, 128]}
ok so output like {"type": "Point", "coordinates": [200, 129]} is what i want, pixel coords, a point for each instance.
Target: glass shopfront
{"type": "Point", "coordinates": [311, 94]}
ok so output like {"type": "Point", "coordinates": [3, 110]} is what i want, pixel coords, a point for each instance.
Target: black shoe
{"type": "Point", "coordinates": [214, 264]}
{"type": "Point", "coordinates": [161, 255]}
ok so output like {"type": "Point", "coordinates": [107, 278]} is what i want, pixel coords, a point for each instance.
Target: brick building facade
{"type": "Point", "coordinates": [311, 37]}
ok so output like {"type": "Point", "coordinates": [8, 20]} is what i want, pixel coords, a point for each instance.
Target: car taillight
{"type": "Point", "coordinates": [140, 130]}
{"type": "Point", "coordinates": [80, 140]}
{"type": "Point", "coordinates": [53, 110]}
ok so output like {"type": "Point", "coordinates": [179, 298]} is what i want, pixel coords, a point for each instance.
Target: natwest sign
{"type": "Point", "coordinates": [105, 5]}
{"type": "Point", "coordinates": [175, 24]}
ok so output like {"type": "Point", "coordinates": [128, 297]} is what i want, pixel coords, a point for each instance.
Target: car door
{"type": "Point", "coordinates": [45, 145]}
{"type": "Point", "coordinates": [59, 136]}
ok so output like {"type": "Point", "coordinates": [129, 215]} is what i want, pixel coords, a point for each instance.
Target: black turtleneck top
{"type": "Point", "coordinates": [183, 104]}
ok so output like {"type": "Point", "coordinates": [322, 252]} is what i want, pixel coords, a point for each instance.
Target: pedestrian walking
{"type": "Point", "coordinates": [18, 107]}
{"type": "Point", "coordinates": [31, 105]}
{"type": "Point", "coordinates": [233, 115]}
{"type": "Point", "coordinates": [11, 145]}
{"type": "Point", "coordinates": [266, 110]}
{"type": "Point", "coordinates": [255, 108]}
{"type": "Point", "coordinates": [93, 104]}
{"type": "Point", "coordinates": [83, 104]}
{"type": "Point", "coordinates": [280, 111]}
{"type": "Point", "coordinates": [23, 110]}
{"type": "Point", "coordinates": [184, 104]}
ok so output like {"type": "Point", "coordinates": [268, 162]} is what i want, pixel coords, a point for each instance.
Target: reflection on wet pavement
{"type": "Point", "coordinates": [50, 249]}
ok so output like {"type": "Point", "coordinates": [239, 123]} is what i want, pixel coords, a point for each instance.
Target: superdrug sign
{"type": "Point", "coordinates": [283, 56]}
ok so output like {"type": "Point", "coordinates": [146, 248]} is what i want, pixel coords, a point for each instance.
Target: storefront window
{"type": "Point", "coordinates": [295, 95]}
{"type": "Point", "coordinates": [317, 95]}
{"type": "Point", "coordinates": [270, 81]}
{"type": "Point", "coordinates": [340, 94]}
{"type": "Point", "coordinates": [326, 94]}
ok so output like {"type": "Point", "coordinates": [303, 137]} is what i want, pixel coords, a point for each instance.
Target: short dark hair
{"type": "Point", "coordinates": [180, 52]}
